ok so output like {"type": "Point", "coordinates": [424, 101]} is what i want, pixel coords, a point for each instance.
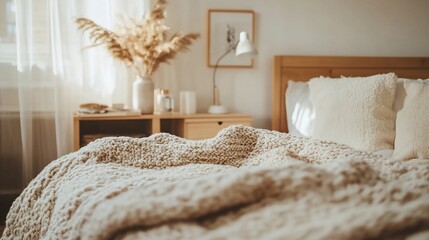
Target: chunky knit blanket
{"type": "Point", "coordinates": [245, 183]}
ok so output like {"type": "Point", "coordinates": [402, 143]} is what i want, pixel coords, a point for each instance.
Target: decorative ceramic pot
{"type": "Point", "coordinates": [143, 94]}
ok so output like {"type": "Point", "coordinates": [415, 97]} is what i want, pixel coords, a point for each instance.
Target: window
{"type": "Point", "coordinates": [7, 32]}
{"type": "Point", "coordinates": [34, 55]}
{"type": "Point", "coordinates": [7, 21]}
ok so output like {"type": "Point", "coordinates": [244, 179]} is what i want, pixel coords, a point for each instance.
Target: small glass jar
{"type": "Point", "coordinates": [164, 103]}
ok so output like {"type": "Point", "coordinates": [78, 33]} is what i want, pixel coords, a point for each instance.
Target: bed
{"type": "Point", "coordinates": [245, 183]}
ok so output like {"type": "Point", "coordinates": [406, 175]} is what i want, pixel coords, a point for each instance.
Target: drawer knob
{"type": "Point", "coordinates": [219, 123]}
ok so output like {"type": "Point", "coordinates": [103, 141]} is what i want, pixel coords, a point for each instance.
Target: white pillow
{"type": "Point", "coordinates": [412, 122]}
{"type": "Point", "coordinates": [355, 111]}
{"type": "Point", "coordinates": [300, 113]}
{"type": "Point", "coordinates": [400, 95]}
{"type": "Point", "coordinates": [299, 110]}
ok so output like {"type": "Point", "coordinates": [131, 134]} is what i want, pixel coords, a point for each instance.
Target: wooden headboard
{"type": "Point", "coordinates": [303, 68]}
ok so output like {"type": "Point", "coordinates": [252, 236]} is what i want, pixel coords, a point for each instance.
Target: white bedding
{"type": "Point", "coordinates": [246, 183]}
{"type": "Point", "coordinates": [410, 132]}
{"type": "Point", "coordinates": [386, 153]}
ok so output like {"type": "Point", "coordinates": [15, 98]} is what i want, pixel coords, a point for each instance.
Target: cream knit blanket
{"type": "Point", "coordinates": [245, 183]}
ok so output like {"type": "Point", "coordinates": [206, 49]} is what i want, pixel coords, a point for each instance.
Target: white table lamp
{"type": "Point", "coordinates": [243, 48]}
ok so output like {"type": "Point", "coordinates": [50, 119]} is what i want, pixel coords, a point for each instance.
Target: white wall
{"type": "Point", "coordinates": [292, 27]}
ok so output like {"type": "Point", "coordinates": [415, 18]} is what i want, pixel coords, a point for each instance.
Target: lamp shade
{"type": "Point", "coordinates": [244, 46]}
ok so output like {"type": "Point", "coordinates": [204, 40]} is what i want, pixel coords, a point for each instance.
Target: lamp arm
{"type": "Point", "coordinates": [214, 72]}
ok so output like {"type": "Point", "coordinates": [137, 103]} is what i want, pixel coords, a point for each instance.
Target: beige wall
{"type": "Point", "coordinates": [295, 27]}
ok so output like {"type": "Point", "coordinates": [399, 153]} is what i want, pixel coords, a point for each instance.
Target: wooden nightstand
{"type": "Point", "coordinates": [88, 127]}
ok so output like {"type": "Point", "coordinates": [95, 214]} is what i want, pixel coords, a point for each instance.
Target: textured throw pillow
{"type": "Point", "coordinates": [355, 111]}
{"type": "Point", "coordinates": [299, 110]}
{"type": "Point", "coordinates": [412, 123]}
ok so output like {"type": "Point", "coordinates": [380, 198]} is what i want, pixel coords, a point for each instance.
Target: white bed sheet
{"type": "Point", "coordinates": [387, 153]}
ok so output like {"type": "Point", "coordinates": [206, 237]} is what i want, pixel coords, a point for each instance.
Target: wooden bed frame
{"type": "Point", "coordinates": [303, 68]}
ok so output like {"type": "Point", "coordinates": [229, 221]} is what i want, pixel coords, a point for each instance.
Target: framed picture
{"type": "Point", "coordinates": [224, 27]}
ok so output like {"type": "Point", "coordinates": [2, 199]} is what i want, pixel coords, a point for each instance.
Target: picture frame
{"type": "Point", "coordinates": [224, 27]}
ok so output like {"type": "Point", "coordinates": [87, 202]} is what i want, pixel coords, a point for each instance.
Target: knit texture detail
{"type": "Point", "coordinates": [245, 183]}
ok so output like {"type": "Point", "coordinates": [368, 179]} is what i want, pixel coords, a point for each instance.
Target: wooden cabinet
{"type": "Point", "coordinates": [88, 127]}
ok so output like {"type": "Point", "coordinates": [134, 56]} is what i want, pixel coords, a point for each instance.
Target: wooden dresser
{"type": "Point", "coordinates": [88, 127]}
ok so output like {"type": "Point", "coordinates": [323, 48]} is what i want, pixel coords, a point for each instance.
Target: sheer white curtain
{"type": "Point", "coordinates": [45, 75]}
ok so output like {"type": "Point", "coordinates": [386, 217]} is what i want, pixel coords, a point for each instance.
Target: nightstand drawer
{"type": "Point", "coordinates": [197, 126]}
{"type": "Point", "coordinates": [203, 129]}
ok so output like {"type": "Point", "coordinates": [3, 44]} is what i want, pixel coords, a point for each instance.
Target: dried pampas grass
{"type": "Point", "coordinates": [142, 45]}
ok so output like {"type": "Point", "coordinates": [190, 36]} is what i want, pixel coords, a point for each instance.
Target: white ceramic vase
{"type": "Point", "coordinates": [143, 94]}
